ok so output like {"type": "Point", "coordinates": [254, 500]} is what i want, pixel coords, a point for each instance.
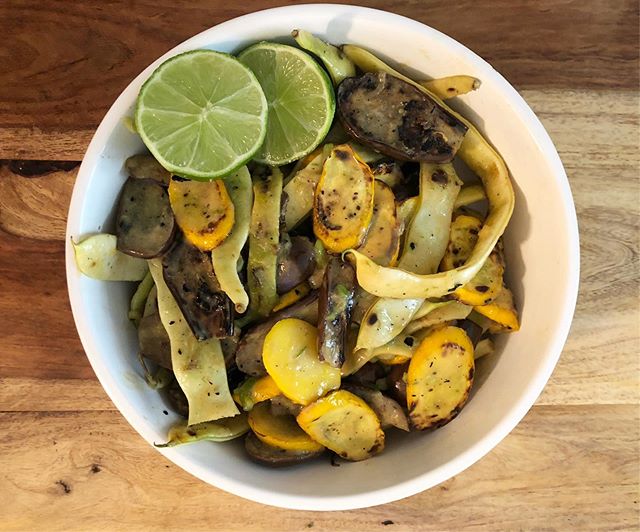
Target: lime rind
{"type": "Point", "coordinates": [301, 101]}
{"type": "Point", "coordinates": [202, 114]}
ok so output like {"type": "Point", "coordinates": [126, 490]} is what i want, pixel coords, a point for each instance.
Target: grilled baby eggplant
{"type": "Point", "coordinates": [154, 340]}
{"type": "Point", "coordinates": [397, 119]}
{"type": "Point", "coordinates": [145, 166]}
{"type": "Point", "coordinates": [296, 262]}
{"type": "Point", "coordinates": [145, 225]}
{"type": "Point", "coordinates": [189, 275]}
{"type": "Point", "coordinates": [389, 412]}
{"type": "Point", "coordinates": [337, 296]}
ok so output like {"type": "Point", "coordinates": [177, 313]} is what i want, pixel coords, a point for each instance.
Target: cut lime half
{"type": "Point", "coordinates": [301, 100]}
{"type": "Point", "coordinates": [202, 114]}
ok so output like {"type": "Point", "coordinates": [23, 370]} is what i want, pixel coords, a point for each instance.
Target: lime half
{"type": "Point", "coordinates": [202, 114]}
{"type": "Point", "coordinates": [301, 100]}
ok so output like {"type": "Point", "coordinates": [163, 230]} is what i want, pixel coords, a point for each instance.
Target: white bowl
{"type": "Point", "coordinates": [542, 264]}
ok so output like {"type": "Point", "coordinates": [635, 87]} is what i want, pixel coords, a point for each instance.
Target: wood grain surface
{"type": "Point", "coordinates": [65, 451]}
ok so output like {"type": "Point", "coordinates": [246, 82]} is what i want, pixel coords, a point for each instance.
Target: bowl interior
{"type": "Point", "coordinates": [542, 263]}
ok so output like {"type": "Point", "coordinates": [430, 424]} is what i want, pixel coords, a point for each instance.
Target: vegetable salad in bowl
{"type": "Point", "coordinates": [312, 270]}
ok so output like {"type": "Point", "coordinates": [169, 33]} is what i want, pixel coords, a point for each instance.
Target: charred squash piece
{"type": "Point", "coordinates": [343, 202]}
{"type": "Point", "coordinates": [439, 378]}
{"type": "Point", "coordinates": [344, 423]}
{"type": "Point", "coordinates": [203, 209]}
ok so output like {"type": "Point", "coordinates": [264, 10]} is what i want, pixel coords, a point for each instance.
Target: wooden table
{"type": "Point", "coordinates": [69, 461]}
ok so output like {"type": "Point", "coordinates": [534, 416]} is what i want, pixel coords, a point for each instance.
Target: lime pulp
{"type": "Point", "coordinates": [202, 114]}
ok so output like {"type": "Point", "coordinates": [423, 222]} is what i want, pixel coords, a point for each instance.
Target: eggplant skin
{"type": "Point", "coordinates": [145, 225]}
{"type": "Point", "coordinates": [266, 454]}
{"type": "Point", "coordinates": [397, 119]}
{"type": "Point", "coordinates": [337, 298]}
{"type": "Point", "coordinates": [281, 405]}
{"type": "Point", "coordinates": [296, 262]}
{"type": "Point", "coordinates": [473, 330]}
{"type": "Point", "coordinates": [146, 167]}
{"type": "Point", "coordinates": [189, 275]}
{"type": "Point", "coordinates": [397, 384]}
{"type": "Point", "coordinates": [389, 412]}
{"type": "Point", "coordinates": [154, 341]}
{"type": "Point", "coordinates": [177, 399]}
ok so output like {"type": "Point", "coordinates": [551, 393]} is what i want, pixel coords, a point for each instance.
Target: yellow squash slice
{"type": "Point", "coordinates": [502, 311]}
{"type": "Point", "coordinates": [382, 243]}
{"type": "Point", "coordinates": [439, 377]}
{"type": "Point", "coordinates": [463, 236]}
{"type": "Point", "coordinates": [254, 390]}
{"type": "Point", "coordinates": [281, 432]}
{"type": "Point", "coordinates": [485, 285]}
{"type": "Point", "coordinates": [344, 423]}
{"type": "Point", "coordinates": [290, 355]}
{"type": "Point", "coordinates": [343, 202]}
{"type": "Point", "coordinates": [392, 360]}
{"type": "Point", "coordinates": [203, 210]}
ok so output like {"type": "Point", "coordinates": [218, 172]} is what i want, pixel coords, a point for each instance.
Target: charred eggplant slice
{"type": "Point", "coordinates": [283, 406]}
{"type": "Point", "coordinates": [337, 297]}
{"type": "Point", "coordinates": [177, 399]}
{"type": "Point", "coordinates": [397, 383]}
{"type": "Point", "coordinates": [264, 453]}
{"type": "Point", "coordinates": [154, 340]}
{"type": "Point", "coordinates": [389, 412]}
{"type": "Point", "coordinates": [144, 166]}
{"type": "Point", "coordinates": [296, 262]}
{"type": "Point", "coordinates": [397, 119]}
{"type": "Point", "coordinates": [145, 225]}
{"type": "Point", "coordinates": [249, 353]}
{"type": "Point", "coordinates": [189, 275]}
{"type": "Point", "coordinates": [473, 330]}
